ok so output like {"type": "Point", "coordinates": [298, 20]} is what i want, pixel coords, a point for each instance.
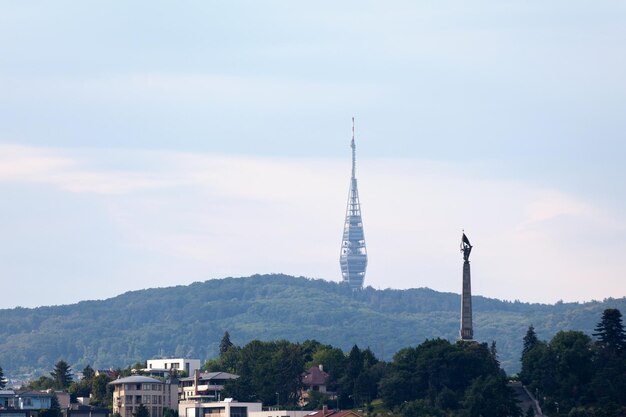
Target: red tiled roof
{"type": "Point", "coordinates": [315, 376]}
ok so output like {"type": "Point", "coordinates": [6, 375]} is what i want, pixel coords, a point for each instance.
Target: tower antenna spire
{"type": "Point", "coordinates": [353, 146]}
{"type": "Point", "coordinates": [353, 258]}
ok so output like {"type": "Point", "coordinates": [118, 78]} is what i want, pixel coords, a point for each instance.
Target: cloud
{"type": "Point", "coordinates": [206, 215]}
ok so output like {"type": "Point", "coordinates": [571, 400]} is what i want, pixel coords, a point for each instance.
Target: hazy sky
{"type": "Point", "coordinates": [152, 143]}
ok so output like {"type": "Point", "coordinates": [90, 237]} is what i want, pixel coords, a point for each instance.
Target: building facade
{"type": "Point", "coordinates": [204, 386]}
{"type": "Point", "coordinates": [189, 366]}
{"type": "Point", "coordinates": [155, 395]}
{"type": "Point", "coordinates": [226, 408]}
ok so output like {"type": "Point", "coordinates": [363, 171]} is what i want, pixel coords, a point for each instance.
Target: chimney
{"type": "Point", "coordinates": [324, 410]}
{"type": "Point", "coordinates": [321, 367]}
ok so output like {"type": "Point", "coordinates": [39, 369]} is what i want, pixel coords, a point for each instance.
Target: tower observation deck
{"type": "Point", "coordinates": [353, 258]}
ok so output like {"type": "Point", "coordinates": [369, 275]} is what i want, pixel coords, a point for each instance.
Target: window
{"type": "Point", "coordinates": [238, 412]}
{"type": "Point", "coordinates": [210, 412]}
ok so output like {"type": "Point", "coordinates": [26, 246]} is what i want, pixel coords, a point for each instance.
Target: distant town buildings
{"type": "Point", "coordinates": [197, 395]}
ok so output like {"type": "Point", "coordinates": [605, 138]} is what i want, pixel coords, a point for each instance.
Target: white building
{"type": "Point", "coordinates": [226, 408]}
{"type": "Point", "coordinates": [204, 386]}
{"type": "Point", "coordinates": [169, 364]}
{"type": "Point", "coordinates": [280, 413]}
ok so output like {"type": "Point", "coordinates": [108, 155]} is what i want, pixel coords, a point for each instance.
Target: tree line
{"type": "Point", "coordinates": [571, 375]}
{"type": "Point", "coordinates": [436, 378]}
{"type": "Point", "coordinates": [576, 376]}
{"type": "Point", "coordinates": [91, 385]}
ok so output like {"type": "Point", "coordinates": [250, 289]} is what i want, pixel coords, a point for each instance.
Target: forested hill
{"type": "Point", "coordinates": [190, 320]}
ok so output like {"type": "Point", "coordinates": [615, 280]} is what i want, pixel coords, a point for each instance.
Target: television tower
{"type": "Point", "coordinates": [353, 258]}
{"type": "Point", "coordinates": [467, 329]}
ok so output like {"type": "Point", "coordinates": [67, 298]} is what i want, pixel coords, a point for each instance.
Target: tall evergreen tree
{"type": "Point", "coordinates": [610, 331]}
{"type": "Point", "coordinates": [61, 375]}
{"type": "Point", "coordinates": [88, 373]}
{"type": "Point", "coordinates": [493, 350]}
{"type": "Point", "coordinates": [225, 343]}
{"type": "Point", "coordinates": [530, 340]}
{"type": "Point", "coordinates": [609, 379]}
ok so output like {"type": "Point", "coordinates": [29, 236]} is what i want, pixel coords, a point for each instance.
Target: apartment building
{"type": "Point", "coordinates": [154, 394]}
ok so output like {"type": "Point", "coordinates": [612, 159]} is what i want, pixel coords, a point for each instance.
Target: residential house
{"type": "Point", "coordinates": [110, 373]}
{"type": "Point", "coordinates": [314, 380]}
{"type": "Point", "coordinates": [226, 408]}
{"type": "Point", "coordinates": [204, 386]}
{"type": "Point", "coordinates": [63, 398]}
{"type": "Point", "coordinates": [33, 400]}
{"type": "Point", "coordinates": [7, 399]}
{"type": "Point", "coordinates": [172, 365]}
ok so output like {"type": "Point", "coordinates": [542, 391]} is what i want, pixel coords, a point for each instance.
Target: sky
{"type": "Point", "coordinates": [150, 144]}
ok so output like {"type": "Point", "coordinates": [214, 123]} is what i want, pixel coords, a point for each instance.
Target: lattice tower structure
{"type": "Point", "coordinates": [353, 258]}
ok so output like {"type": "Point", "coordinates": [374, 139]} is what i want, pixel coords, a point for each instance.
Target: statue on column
{"type": "Point", "coordinates": [466, 247]}
{"type": "Point", "coordinates": [467, 328]}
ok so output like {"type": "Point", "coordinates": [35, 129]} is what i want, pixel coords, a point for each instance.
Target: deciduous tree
{"type": "Point", "coordinates": [489, 396]}
{"type": "Point", "coordinates": [100, 390]}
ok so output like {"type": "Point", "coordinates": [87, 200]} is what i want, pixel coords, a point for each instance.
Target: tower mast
{"type": "Point", "coordinates": [353, 257]}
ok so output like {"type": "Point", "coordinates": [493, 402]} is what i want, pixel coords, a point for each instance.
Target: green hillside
{"type": "Point", "coordinates": [190, 321]}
